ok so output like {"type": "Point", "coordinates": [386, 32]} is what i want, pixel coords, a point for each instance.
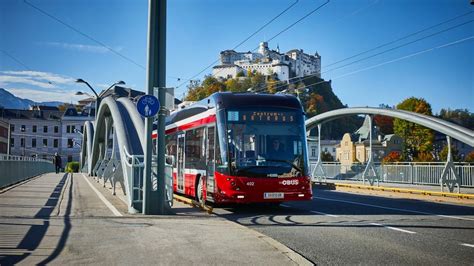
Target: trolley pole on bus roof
{"type": "Point", "coordinates": [154, 201]}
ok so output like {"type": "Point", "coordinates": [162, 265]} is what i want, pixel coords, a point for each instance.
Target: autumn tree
{"type": "Point", "coordinates": [418, 140]}
{"type": "Point", "coordinates": [469, 157]}
{"type": "Point", "coordinates": [393, 156]}
{"type": "Point", "coordinates": [384, 123]}
{"type": "Point", "coordinates": [443, 154]}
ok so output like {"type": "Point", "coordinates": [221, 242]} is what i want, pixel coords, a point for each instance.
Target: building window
{"type": "Point", "coordinates": [82, 129]}
{"type": "Point", "coordinates": [68, 129]}
{"type": "Point", "coordinates": [70, 143]}
{"type": "Point", "coordinates": [45, 142]}
{"type": "Point", "coordinates": [56, 129]}
{"type": "Point", "coordinates": [69, 158]}
{"type": "Point", "coordinates": [12, 128]}
{"type": "Point", "coordinates": [22, 142]}
{"type": "Point", "coordinates": [34, 129]}
{"type": "Point", "coordinates": [12, 142]}
{"type": "Point", "coordinates": [23, 128]}
{"type": "Point", "coordinates": [73, 129]}
{"type": "Point", "coordinates": [55, 143]}
{"type": "Point", "coordinates": [45, 129]}
{"type": "Point", "coordinates": [33, 143]}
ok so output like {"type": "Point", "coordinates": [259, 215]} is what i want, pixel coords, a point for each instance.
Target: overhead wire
{"type": "Point", "coordinates": [243, 41]}
{"type": "Point", "coordinates": [401, 38]}
{"type": "Point", "coordinates": [382, 52]}
{"type": "Point", "coordinates": [390, 42]}
{"type": "Point", "coordinates": [84, 34]}
{"type": "Point", "coordinates": [388, 62]}
{"type": "Point", "coordinates": [16, 60]}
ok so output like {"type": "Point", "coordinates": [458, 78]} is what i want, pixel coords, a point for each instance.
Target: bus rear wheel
{"type": "Point", "coordinates": [199, 191]}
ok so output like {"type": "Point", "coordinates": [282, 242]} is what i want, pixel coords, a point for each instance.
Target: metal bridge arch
{"type": "Point", "coordinates": [451, 130]}
{"type": "Point", "coordinates": [116, 133]}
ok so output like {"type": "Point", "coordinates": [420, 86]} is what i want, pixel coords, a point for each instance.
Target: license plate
{"type": "Point", "coordinates": [273, 195]}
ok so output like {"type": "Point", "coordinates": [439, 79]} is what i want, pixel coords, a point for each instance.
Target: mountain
{"type": "Point", "coordinates": [8, 100]}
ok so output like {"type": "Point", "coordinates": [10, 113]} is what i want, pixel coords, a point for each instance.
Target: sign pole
{"type": "Point", "coordinates": [156, 77]}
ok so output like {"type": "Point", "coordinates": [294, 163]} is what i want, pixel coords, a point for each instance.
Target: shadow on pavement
{"type": "Point", "coordinates": [36, 233]}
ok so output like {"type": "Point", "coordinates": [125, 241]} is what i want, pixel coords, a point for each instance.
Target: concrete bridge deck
{"type": "Point", "coordinates": [60, 219]}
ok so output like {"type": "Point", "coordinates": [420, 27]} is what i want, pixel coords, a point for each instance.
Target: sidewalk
{"type": "Point", "coordinates": [59, 219]}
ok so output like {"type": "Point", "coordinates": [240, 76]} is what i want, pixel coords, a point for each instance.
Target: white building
{"type": "Point", "coordinates": [328, 146]}
{"type": "Point", "coordinates": [294, 63]}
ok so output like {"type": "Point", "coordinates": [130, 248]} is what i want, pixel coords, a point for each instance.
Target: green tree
{"type": "Point", "coordinates": [459, 116]}
{"type": "Point", "coordinates": [443, 154]}
{"type": "Point", "coordinates": [258, 81]}
{"type": "Point", "coordinates": [233, 85]}
{"type": "Point", "coordinates": [326, 157]}
{"type": "Point", "coordinates": [418, 139]}
{"type": "Point", "coordinates": [271, 85]}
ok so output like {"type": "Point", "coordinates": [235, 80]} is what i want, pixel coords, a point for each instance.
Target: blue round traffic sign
{"type": "Point", "coordinates": [148, 105]}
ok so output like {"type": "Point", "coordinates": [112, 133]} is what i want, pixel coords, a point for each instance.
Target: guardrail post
{"type": "Point", "coordinates": [319, 163]}
{"type": "Point", "coordinates": [446, 178]}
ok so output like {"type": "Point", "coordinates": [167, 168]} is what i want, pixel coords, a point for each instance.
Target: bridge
{"type": "Point", "coordinates": [54, 218]}
{"type": "Point", "coordinates": [113, 146]}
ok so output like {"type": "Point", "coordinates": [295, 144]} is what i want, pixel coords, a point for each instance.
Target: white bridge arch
{"type": "Point", "coordinates": [449, 176]}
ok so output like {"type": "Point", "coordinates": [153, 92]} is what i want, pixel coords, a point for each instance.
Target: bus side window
{"type": "Point", "coordinates": [171, 148]}
{"type": "Point", "coordinates": [210, 150]}
{"type": "Point", "coordinates": [194, 145]}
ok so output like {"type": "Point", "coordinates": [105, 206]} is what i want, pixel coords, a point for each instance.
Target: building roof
{"type": "Point", "coordinates": [44, 108]}
{"type": "Point", "coordinates": [30, 114]}
{"type": "Point", "coordinates": [363, 132]}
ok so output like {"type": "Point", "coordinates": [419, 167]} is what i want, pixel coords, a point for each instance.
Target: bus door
{"type": "Point", "coordinates": [210, 161]}
{"type": "Point", "coordinates": [180, 163]}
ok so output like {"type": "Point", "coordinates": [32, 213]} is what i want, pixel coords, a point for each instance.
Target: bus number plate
{"type": "Point", "coordinates": [273, 195]}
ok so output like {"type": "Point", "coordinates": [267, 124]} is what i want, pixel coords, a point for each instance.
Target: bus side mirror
{"type": "Point", "coordinates": [169, 159]}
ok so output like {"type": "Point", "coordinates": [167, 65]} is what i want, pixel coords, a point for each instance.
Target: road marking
{"type": "Point", "coordinates": [394, 228]}
{"type": "Point", "coordinates": [326, 214]}
{"type": "Point", "coordinates": [467, 245]}
{"type": "Point", "coordinates": [396, 209]}
{"type": "Point", "coordinates": [104, 200]}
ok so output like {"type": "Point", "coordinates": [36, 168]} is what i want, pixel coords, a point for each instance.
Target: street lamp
{"type": "Point", "coordinates": [120, 82]}
{"type": "Point", "coordinates": [98, 97]}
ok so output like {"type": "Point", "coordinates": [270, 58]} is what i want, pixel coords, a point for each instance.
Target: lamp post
{"type": "Point", "coordinates": [98, 97]}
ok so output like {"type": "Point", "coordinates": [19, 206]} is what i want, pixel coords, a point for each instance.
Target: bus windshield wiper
{"type": "Point", "coordinates": [285, 161]}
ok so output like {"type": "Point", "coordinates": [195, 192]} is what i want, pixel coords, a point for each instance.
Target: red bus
{"type": "Point", "coordinates": [240, 148]}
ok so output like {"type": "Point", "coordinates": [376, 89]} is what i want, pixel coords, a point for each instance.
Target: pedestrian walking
{"type": "Point", "coordinates": [57, 162]}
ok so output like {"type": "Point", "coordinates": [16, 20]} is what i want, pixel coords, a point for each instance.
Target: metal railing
{"type": "Point", "coordinates": [135, 166]}
{"type": "Point", "coordinates": [6, 157]}
{"type": "Point", "coordinates": [416, 173]}
{"type": "Point", "coordinates": [14, 169]}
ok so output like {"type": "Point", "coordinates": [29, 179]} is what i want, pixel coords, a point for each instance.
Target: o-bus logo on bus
{"type": "Point", "coordinates": [290, 182]}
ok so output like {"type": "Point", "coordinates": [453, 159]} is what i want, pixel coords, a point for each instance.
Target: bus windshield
{"type": "Point", "coordinates": [268, 143]}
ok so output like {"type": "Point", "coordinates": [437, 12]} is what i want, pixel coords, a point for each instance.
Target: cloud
{"type": "Point", "coordinates": [46, 96]}
{"type": "Point", "coordinates": [82, 47]}
{"type": "Point", "coordinates": [40, 79]}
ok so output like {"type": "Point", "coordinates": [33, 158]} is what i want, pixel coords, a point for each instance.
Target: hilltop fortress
{"type": "Point", "coordinates": [294, 63]}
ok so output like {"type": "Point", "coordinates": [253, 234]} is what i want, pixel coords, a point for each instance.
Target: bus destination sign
{"type": "Point", "coordinates": [261, 116]}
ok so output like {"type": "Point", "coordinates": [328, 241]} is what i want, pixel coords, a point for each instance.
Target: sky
{"type": "Point", "coordinates": [41, 56]}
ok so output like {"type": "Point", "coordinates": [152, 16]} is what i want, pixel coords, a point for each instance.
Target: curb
{"type": "Point", "coordinates": [402, 190]}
